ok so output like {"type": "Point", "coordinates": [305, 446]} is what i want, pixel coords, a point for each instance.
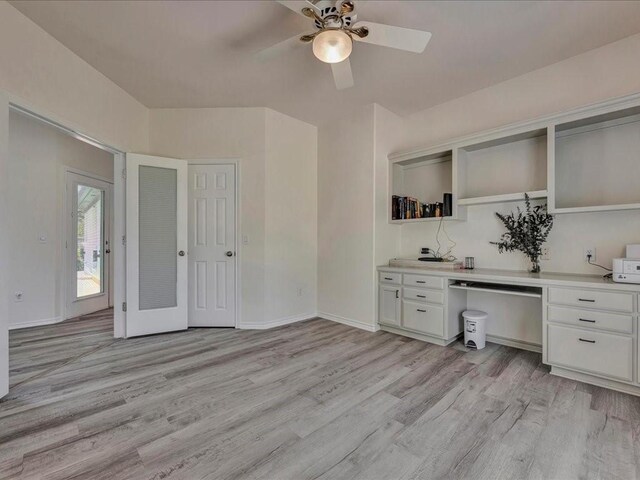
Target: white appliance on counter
{"type": "Point", "coordinates": [627, 270]}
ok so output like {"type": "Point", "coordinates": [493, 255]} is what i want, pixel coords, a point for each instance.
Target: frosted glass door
{"type": "Point", "coordinates": [156, 244]}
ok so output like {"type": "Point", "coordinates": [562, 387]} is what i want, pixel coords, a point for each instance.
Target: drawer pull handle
{"type": "Point", "coordinates": [397, 293]}
{"type": "Point", "coordinates": [587, 320]}
{"type": "Point", "coordinates": [586, 341]}
{"type": "Point", "coordinates": [388, 278]}
{"type": "Point", "coordinates": [420, 281]}
{"type": "Point", "coordinates": [420, 310]}
{"type": "Point", "coordinates": [421, 296]}
{"type": "Point", "coordinates": [586, 300]}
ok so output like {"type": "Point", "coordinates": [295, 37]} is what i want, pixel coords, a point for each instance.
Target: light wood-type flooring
{"type": "Point", "coordinates": [313, 400]}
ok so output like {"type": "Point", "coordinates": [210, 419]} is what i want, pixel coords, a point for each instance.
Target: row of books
{"type": "Point", "coordinates": [403, 208]}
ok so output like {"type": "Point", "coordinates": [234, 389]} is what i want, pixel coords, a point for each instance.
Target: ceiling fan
{"type": "Point", "coordinates": [336, 28]}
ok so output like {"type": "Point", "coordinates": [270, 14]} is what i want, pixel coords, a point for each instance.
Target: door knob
{"type": "Point", "coordinates": [181, 253]}
{"type": "Point", "coordinates": [229, 253]}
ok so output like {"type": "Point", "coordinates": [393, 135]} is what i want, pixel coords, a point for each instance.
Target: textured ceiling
{"type": "Point", "coordinates": [202, 54]}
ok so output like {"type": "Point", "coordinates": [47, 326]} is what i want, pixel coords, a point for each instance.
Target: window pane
{"type": "Point", "coordinates": [89, 223]}
{"type": "Point", "coordinates": [158, 237]}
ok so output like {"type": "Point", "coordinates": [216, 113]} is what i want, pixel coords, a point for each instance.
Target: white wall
{"type": "Point", "coordinates": [39, 72]}
{"type": "Point", "coordinates": [346, 218]}
{"type": "Point", "coordinates": [291, 219]}
{"type": "Point", "coordinates": [37, 156]}
{"type": "Point", "coordinates": [258, 138]}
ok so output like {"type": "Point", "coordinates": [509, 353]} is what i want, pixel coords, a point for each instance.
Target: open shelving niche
{"type": "Point", "coordinates": [503, 167]}
{"type": "Point", "coordinates": [427, 176]}
{"type": "Point", "coordinates": [584, 160]}
{"type": "Point", "coordinates": [596, 165]}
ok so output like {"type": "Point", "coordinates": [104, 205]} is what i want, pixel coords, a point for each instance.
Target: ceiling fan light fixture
{"type": "Point", "coordinates": [332, 46]}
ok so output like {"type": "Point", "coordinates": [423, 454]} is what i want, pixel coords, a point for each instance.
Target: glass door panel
{"type": "Point", "coordinates": [89, 223]}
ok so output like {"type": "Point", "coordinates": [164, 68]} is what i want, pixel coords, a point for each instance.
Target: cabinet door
{"type": "Point", "coordinates": [389, 311]}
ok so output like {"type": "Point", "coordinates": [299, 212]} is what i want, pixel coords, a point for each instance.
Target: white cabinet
{"type": "Point", "coordinates": [425, 318]}
{"type": "Point", "coordinates": [389, 306]}
{"type": "Point", "coordinates": [417, 307]}
{"type": "Point", "coordinates": [591, 332]}
{"type": "Point", "coordinates": [591, 352]}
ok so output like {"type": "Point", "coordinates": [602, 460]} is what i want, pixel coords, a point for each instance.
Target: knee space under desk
{"type": "Point", "coordinates": [514, 311]}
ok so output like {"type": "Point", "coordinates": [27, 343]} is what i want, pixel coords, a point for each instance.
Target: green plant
{"type": "Point", "coordinates": [526, 231]}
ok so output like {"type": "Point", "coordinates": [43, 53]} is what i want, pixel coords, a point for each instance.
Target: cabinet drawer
{"type": "Point", "coordinates": [592, 352]}
{"type": "Point", "coordinates": [621, 302]}
{"type": "Point", "coordinates": [423, 281]}
{"type": "Point", "coordinates": [423, 296]}
{"type": "Point", "coordinates": [589, 318]}
{"type": "Point", "coordinates": [423, 318]}
{"type": "Point", "coordinates": [388, 277]}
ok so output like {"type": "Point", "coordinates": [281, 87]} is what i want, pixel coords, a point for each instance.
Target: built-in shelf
{"type": "Point", "coordinates": [499, 168]}
{"type": "Point", "coordinates": [596, 163]}
{"type": "Point", "coordinates": [425, 177]}
{"type": "Point", "coordinates": [426, 219]}
{"type": "Point", "coordinates": [521, 291]}
{"type": "Point", "coordinates": [585, 160]}
{"type": "Point", "coordinates": [507, 197]}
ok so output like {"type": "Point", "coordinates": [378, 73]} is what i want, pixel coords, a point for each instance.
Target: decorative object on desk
{"type": "Point", "coordinates": [526, 231]}
{"type": "Point", "coordinates": [469, 263]}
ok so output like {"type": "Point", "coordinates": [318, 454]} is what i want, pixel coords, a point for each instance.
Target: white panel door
{"type": "Point", "coordinates": [156, 245]}
{"type": "Point", "coordinates": [212, 240]}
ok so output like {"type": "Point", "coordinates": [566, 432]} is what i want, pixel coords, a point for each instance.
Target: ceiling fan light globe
{"type": "Point", "coordinates": [332, 46]}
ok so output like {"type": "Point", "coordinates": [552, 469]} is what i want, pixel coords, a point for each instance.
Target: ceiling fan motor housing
{"type": "Point", "coordinates": [334, 14]}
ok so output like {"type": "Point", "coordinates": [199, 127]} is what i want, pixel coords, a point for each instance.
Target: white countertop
{"type": "Point", "coordinates": [518, 277]}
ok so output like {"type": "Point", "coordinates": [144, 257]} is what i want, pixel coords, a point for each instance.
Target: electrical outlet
{"type": "Point", "coordinates": [545, 254]}
{"type": "Point", "coordinates": [590, 251]}
{"type": "Point", "coordinates": [17, 297]}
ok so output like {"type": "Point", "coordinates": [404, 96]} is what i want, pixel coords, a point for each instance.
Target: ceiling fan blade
{"type": "Point", "coordinates": [298, 5]}
{"type": "Point", "coordinates": [342, 74]}
{"type": "Point", "coordinates": [278, 49]}
{"type": "Point", "coordinates": [394, 37]}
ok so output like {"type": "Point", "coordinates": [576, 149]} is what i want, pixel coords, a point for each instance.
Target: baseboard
{"type": "Point", "coordinates": [277, 323]}
{"type": "Point", "coordinates": [593, 380]}
{"type": "Point", "coordinates": [419, 336]}
{"type": "Point", "coordinates": [509, 342]}
{"type": "Point", "coordinates": [349, 321]}
{"type": "Point", "coordinates": [36, 323]}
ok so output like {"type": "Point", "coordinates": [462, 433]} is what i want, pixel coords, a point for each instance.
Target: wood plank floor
{"type": "Point", "coordinates": [311, 400]}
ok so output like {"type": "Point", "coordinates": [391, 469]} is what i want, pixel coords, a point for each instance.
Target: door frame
{"type": "Point", "coordinates": [118, 253]}
{"type": "Point", "coordinates": [238, 244]}
{"type": "Point", "coordinates": [64, 285]}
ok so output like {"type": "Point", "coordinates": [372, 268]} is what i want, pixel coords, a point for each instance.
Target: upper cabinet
{"type": "Point", "coordinates": [585, 160]}
{"type": "Point", "coordinates": [596, 163]}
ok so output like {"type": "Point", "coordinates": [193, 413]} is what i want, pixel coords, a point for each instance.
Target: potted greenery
{"type": "Point", "coordinates": [526, 231]}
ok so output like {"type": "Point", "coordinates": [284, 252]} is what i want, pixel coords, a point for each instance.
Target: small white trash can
{"type": "Point", "coordinates": [475, 323]}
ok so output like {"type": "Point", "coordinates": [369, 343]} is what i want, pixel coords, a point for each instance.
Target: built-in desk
{"type": "Point", "coordinates": [586, 327]}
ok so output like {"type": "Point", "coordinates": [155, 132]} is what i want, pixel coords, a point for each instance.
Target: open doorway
{"type": "Point", "coordinates": [62, 201]}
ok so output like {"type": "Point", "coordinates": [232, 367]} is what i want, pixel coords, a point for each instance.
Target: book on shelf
{"type": "Point", "coordinates": [405, 208]}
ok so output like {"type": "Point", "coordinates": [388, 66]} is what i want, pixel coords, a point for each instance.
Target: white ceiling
{"type": "Point", "coordinates": [202, 54]}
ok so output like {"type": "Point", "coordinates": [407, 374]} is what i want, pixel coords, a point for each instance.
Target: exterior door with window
{"type": "Point", "coordinates": [87, 244]}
